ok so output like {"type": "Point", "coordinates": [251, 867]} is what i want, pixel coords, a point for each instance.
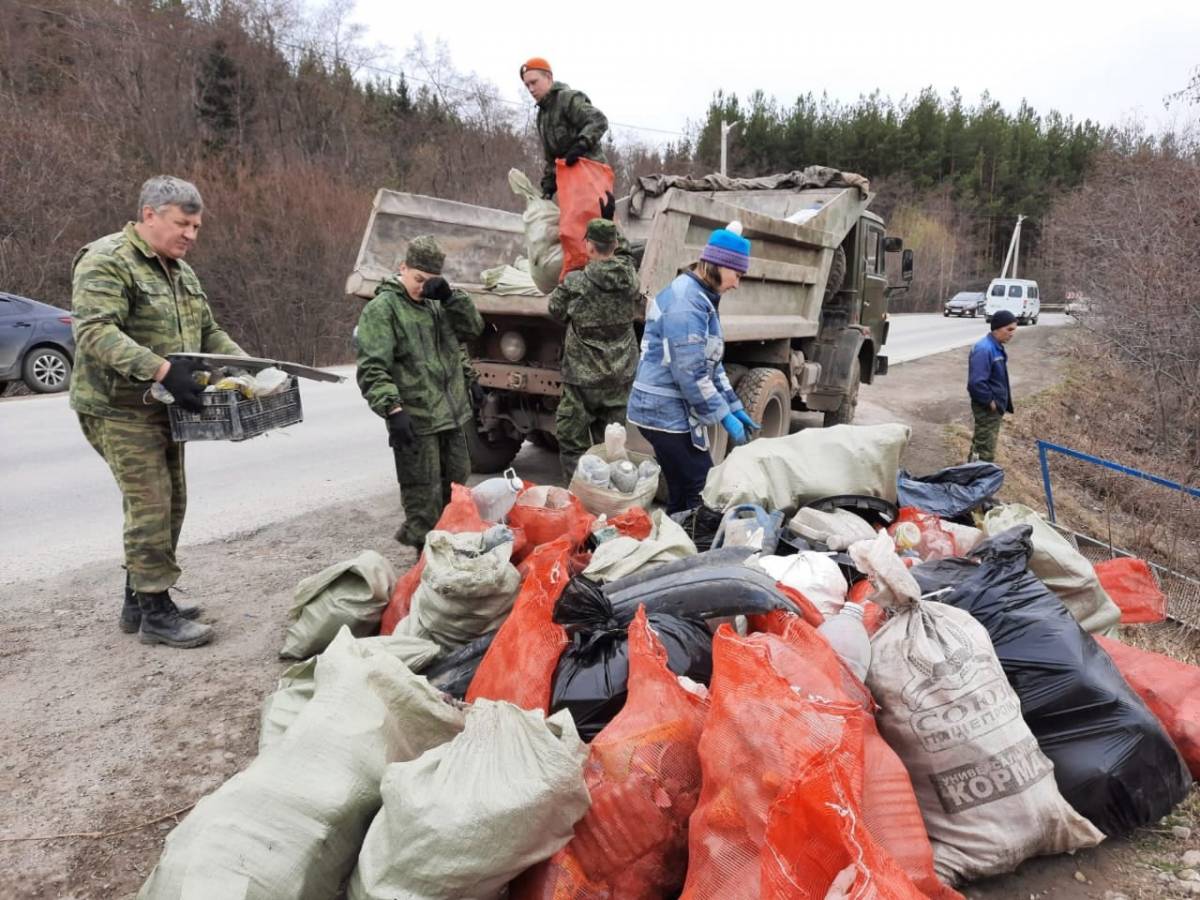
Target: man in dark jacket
{"type": "Point", "coordinates": [598, 304]}
{"type": "Point", "coordinates": [410, 370]}
{"type": "Point", "coordinates": [570, 127]}
{"type": "Point", "coordinates": [987, 383]}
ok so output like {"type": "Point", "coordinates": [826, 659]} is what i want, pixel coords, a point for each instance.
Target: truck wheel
{"type": "Point", "coordinates": [844, 414]}
{"type": "Point", "coordinates": [735, 372]}
{"type": "Point", "coordinates": [767, 397]}
{"type": "Point", "coordinates": [545, 440]}
{"type": "Point", "coordinates": [837, 274]}
{"type": "Point", "coordinates": [490, 453]}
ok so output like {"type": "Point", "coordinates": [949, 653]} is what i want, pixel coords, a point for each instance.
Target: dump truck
{"type": "Point", "coordinates": [807, 325]}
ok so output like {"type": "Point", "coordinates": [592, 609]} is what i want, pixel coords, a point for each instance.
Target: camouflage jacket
{"type": "Point", "coordinates": [409, 355]}
{"type": "Point", "coordinates": [130, 308]}
{"type": "Point", "coordinates": [599, 304]}
{"type": "Point", "coordinates": [565, 116]}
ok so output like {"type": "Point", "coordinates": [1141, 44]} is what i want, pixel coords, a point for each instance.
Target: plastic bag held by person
{"type": "Point", "coordinates": [986, 790]}
{"type": "Point", "coordinates": [581, 189]}
{"type": "Point", "coordinates": [643, 775]}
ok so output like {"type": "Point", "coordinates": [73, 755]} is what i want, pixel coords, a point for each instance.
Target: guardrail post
{"type": "Point", "coordinates": [1042, 458]}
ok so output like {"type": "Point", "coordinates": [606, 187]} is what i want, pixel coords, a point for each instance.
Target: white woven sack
{"type": "Point", "coordinates": [541, 232]}
{"type": "Point", "coordinates": [466, 818]}
{"type": "Point", "coordinates": [787, 472]}
{"type": "Point", "coordinates": [291, 824]}
{"type": "Point", "coordinates": [351, 593]}
{"type": "Point", "coordinates": [986, 791]}
{"type": "Point", "coordinates": [623, 555]}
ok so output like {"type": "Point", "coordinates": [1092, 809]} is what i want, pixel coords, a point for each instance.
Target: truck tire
{"type": "Point", "coordinates": [490, 453]}
{"type": "Point", "coordinates": [545, 440]}
{"type": "Point", "coordinates": [844, 414]}
{"type": "Point", "coordinates": [767, 397]}
{"type": "Point", "coordinates": [837, 274]}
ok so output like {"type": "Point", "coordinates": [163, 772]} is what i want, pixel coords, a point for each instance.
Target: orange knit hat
{"type": "Point", "coordinates": [535, 62]}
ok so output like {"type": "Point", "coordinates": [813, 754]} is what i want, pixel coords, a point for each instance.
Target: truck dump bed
{"type": "Point", "coordinates": [779, 297]}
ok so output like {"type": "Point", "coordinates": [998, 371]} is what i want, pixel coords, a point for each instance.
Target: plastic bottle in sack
{"type": "Point", "coordinates": [614, 441]}
{"type": "Point", "coordinates": [496, 496]}
{"type": "Point", "coordinates": [624, 476]}
{"type": "Point", "coordinates": [593, 470]}
{"type": "Point", "coordinates": [648, 469]}
{"type": "Point", "coordinates": [907, 536]}
{"type": "Point", "coordinates": [847, 635]}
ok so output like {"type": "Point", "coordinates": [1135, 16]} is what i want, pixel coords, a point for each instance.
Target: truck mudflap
{"type": "Point", "coordinates": [837, 358]}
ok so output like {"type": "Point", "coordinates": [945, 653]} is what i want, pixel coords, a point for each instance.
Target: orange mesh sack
{"type": "Point", "coordinates": [821, 845]}
{"type": "Point", "coordinates": [460, 515]}
{"type": "Point", "coordinates": [519, 665]}
{"type": "Point", "coordinates": [581, 188]}
{"type": "Point", "coordinates": [889, 808]}
{"type": "Point", "coordinates": [759, 735]}
{"type": "Point", "coordinates": [544, 513]}
{"type": "Point", "coordinates": [635, 522]}
{"type": "Point", "coordinates": [643, 775]}
{"type": "Point", "coordinates": [1170, 688]}
{"type": "Point", "coordinates": [1131, 585]}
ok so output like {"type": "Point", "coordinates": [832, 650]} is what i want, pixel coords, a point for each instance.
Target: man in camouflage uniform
{"type": "Point", "coordinates": [410, 370]}
{"type": "Point", "coordinates": [134, 300]}
{"type": "Point", "coordinates": [598, 304]}
{"type": "Point", "coordinates": [570, 127]}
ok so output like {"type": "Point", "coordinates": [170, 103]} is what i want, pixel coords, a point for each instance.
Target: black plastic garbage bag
{"type": "Point", "coordinates": [453, 672]}
{"type": "Point", "coordinates": [592, 677]}
{"type": "Point", "coordinates": [701, 525]}
{"type": "Point", "coordinates": [1113, 761]}
{"type": "Point", "coordinates": [950, 493]}
{"type": "Point", "coordinates": [709, 585]}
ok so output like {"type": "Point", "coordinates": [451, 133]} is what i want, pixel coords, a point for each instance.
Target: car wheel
{"type": "Point", "coordinates": [946, 314]}
{"type": "Point", "coordinates": [974, 313]}
{"type": "Point", "coordinates": [46, 370]}
{"type": "Point", "coordinates": [1034, 321]}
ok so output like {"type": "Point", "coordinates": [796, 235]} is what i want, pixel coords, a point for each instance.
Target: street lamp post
{"type": "Point", "coordinates": [725, 129]}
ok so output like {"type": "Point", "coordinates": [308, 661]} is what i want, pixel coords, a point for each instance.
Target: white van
{"type": "Point", "coordinates": [1018, 295]}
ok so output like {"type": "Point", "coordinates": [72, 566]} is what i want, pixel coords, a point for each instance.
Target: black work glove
{"type": "Point", "coordinates": [400, 429]}
{"type": "Point", "coordinates": [578, 149]}
{"type": "Point", "coordinates": [181, 383]}
{"type": "Point", "coordinates": [608, 206]}
{"type": "Point", "coordinates": [436, 288]}
{"type": "Point", "coordinates": [477, 397]}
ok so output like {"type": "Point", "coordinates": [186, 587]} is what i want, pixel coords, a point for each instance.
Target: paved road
{"type": "Point", "coordinates": [59, 507]}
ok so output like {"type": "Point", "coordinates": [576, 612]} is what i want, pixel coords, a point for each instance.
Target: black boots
{"type": "Point", "coordinates": [131, 613]}
{"type": "Point", "coordinates": [162, 624]}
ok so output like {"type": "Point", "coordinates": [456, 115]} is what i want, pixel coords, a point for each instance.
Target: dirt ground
{"type": "Point", "coordinates": [105, 738]}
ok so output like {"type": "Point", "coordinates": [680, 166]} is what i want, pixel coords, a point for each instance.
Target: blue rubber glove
{"type": "Point", "coordinates": [745, 419]}
{"type": "Point", "coordinates": [737, 433]}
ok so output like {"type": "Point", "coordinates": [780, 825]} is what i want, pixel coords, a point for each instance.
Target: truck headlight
{"type": "Point", "coordinates": [512, 346]}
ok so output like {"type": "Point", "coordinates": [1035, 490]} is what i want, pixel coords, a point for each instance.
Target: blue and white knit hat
{"type": "Point", "coordinates": [728, 248]}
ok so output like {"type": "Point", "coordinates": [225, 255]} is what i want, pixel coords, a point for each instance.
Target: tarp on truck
{"type": "Point", "coordinates": [798, 180]}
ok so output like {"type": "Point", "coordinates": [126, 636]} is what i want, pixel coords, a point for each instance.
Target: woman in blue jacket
{"type": "Point", "coordinates": [680, 387]}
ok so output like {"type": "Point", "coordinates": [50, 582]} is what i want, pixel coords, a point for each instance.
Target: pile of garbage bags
{"type": "Point", "coordinates": [890, 689]}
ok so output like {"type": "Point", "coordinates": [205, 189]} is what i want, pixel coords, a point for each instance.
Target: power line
{"type": "Point", "coordinates": [330, 58]}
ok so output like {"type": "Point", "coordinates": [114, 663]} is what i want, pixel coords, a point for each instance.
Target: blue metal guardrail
{"type": "Point", "coordinates": [1045, 448]}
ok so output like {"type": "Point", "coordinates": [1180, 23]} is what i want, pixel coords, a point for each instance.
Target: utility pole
{"type": "Point", "coordinates": [1014, 251]}
{"type": "Point", "coordinates": [725, 129]}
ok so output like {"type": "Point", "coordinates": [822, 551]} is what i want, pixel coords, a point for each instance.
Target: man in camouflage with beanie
{"type": "Point", "coordinates": [598, 304]}
{"type": "Point", "coordinates": [134, 301]}
{"type": "Point", "coordinates": [410, 370]}
{"type": "Point", "coordinates": [569, 126]}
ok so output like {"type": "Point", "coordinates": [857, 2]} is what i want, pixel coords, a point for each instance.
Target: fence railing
{"type": "Point", "coordinates": [1182, 591]}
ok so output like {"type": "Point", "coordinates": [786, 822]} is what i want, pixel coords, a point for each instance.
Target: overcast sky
{"type": "Point", "coordinates": [645, 64]}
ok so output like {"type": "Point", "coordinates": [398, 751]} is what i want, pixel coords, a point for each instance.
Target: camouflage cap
{"type": "Point", "coordinates": [424, 254]}
{"type": "Point", "coordinates": [601, 231]}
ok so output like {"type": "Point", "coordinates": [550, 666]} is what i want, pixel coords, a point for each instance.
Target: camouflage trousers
{"type": "Point", "coordinates": [987, 431]}
{"type": "Point", "coordinates": [580, 419]}
{"type": "Point", "coordinates": [425, 469]}
{"type": "Point", "coordinates": [148, 468]}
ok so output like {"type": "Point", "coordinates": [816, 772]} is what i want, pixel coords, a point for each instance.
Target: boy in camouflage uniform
{"type": "Point", "coordinates": [134, 300]}
{"type": "Point", "coordinates": [598, 304]}
{"type": "Point", "coordinates": [569, 126]}
{"type": "Point", "coordinates": [410, 370]}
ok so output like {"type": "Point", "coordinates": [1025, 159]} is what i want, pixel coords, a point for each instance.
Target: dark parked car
{"type": "Point", "coordinates": [965, 303]}
{"type": "Point", "coordinates": [36, 345]}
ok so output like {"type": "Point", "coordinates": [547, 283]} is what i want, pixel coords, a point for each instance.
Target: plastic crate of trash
{"type": "Point", "coordinates": [230, 416]}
